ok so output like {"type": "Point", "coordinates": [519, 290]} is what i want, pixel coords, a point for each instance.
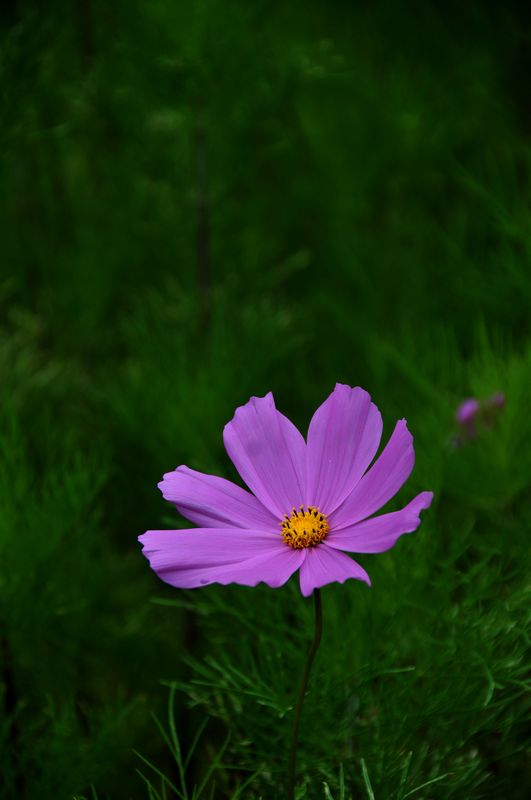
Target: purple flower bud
{"type": "Point", "coordinates": [466, 417]}
{"type": "Point", "coordinates": [467, 411]}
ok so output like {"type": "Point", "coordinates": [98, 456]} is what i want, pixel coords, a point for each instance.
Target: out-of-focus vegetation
{"type": "Point", "coordinates": [203, 201]}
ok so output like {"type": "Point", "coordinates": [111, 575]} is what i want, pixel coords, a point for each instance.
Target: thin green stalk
{"type": "Point", "coordinates": [292, 764]}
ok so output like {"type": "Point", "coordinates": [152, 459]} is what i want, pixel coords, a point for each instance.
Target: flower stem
{"type": "Point", "coordinates": [292, 764]}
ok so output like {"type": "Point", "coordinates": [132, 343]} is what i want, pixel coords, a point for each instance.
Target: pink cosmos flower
{"type": "Point", "coordinates": [311, 501]}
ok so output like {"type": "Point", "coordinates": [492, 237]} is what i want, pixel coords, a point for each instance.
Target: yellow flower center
{"type": "Point", "coordinates": [305, 528]}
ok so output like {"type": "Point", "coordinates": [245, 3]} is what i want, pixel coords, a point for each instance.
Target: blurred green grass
{"type": "Point", "coordinates": [204, 201]}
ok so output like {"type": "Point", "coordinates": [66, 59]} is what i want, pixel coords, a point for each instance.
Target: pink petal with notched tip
{"type": "Point", "coordinates": [197, 557]}
{"type": "Point", "coordinates": [269, 453]}
{"type": "Point", "coordinates": [324, 565]}
{"type": "Point", "coordinates": [378, 534]}
{"type": "Point", "coordinates": [343, 438]}
{"type": "Point", "coordinates": [383, 480]}
{"type": "Point", "coordinates": [213, 502]}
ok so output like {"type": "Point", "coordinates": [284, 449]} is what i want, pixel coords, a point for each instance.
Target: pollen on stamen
{"type": "Point", "coordinates": [306, 527]}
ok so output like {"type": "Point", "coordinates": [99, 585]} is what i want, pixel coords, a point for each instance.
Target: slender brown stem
{"type": "Point", "coordinates": [292, 764]}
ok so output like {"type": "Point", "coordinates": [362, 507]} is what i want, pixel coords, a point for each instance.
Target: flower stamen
{"type": "Point", "coordinates": [306, 527]}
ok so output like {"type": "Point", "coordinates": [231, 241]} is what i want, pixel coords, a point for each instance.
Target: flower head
{"type": "Point", "coordinates": [312, 501]}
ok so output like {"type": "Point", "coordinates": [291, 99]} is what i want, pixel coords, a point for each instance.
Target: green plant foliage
{"type": "Point", "coordinates": [203, 201]}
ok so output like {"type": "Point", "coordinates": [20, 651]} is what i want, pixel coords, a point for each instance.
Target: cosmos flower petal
{"type": "Point", "coordinates": [343, 438]}
{"type": "Point", "coordinates": [213, 502]}
{"type": "Point", "coordinates": [383, 480]}
{"type": "Point", "coordinates": [269, 453]}
{"type": "Point", "coordinates": [324, 565]}
{"type": "Point", "coordinates": [188, 559]}
{"type": "Point", "coordinates": [378, 534]}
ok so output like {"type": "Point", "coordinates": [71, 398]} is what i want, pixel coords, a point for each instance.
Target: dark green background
{"type": "Point", "coordinates": [207, 200]}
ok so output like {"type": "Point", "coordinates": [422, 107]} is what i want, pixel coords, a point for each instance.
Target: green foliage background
{"type": "Point", "coordinates": [207, 200]}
